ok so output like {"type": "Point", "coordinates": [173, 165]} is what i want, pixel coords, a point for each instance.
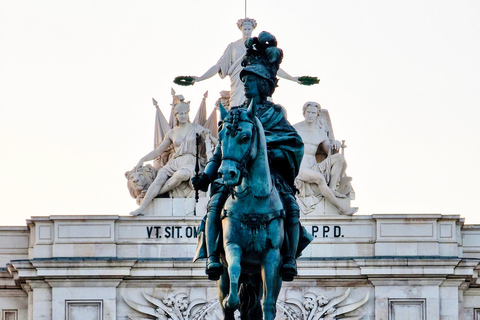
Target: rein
{"type": "Point", "coordinates": [247, 192]}
{"type": "Point", "coordinates": [251, 220]}
{"type": "Point", "coordinates": [242, 163]}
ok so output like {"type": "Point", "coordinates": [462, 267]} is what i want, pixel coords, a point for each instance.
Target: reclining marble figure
{"type": "Point", "coordinates": [181, 165]}
{"type": "Point", "coordinates": [319, 179]}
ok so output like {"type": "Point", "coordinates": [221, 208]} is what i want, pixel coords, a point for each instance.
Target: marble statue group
{"type": "Point", "coordinates": [262, 173]}
{"type": "Point", "coordinates": [317, 179]}
{"type": "Point", "coordinates": [181, 165]}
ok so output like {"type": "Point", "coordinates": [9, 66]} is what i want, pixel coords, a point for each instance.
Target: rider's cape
{"type": "Point", "coordinates": [285, 152]}
{"type": "Point", "coordinates": [284, 144]}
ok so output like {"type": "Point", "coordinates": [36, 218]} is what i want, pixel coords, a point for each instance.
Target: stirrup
{"type": "Point", "coordinates": [214, 268]}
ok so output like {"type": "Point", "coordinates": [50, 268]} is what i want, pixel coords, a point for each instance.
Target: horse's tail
{"type": "Point", "coordinates": [250, 294]}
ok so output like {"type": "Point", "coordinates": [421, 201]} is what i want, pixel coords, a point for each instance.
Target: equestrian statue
{"type": "Point", "coordinates": [251, 235]}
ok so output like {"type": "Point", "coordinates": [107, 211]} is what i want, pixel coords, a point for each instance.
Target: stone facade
{"type": "Point", "coordinates": [369, 267]}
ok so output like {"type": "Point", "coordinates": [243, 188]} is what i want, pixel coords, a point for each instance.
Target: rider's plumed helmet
{"type": "Point", "coordinates": [262, 59]}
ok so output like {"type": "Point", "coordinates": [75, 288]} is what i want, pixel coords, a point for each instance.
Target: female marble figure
{"type": "Point", "coordinates": [180, 167]}
{"type": "Point", "coordinates": [230, 62]}
{"type": "Point", "coordinates": [319, 178]}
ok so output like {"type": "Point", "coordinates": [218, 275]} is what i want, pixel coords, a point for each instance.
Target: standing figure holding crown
{"type": "Point", "coordinates": [230, 64]}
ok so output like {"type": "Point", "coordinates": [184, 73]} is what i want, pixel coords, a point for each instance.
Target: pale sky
{"type": "Point", "coordinates": [401, 80]}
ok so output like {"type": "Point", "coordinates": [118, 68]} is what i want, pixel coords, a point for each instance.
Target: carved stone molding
{"type": "Point", "coordinates": [311, 307]}
{"type": "Point", "coordinates": [174, 306]}
{"type": "Point", "coordinates": [321, 307]}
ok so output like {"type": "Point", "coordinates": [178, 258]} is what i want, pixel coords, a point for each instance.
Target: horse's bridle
{"type": "Point", "coordinates": [232, 130]}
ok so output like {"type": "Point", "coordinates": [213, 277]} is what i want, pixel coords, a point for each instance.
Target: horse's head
{"type": "Point", "coordinates": [239, 143]}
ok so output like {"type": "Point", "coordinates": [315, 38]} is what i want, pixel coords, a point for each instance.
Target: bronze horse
{"type": "Point", "coordinates": [252, 220]}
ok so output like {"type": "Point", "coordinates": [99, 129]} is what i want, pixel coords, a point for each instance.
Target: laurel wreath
{"type": "Point", "coordinates": [184, 80]}
{"type": "Point", "coordinates": [308, 81]}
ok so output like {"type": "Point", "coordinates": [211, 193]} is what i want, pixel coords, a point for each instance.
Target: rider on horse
{"type": "Point", "coordinates": [285, 152]}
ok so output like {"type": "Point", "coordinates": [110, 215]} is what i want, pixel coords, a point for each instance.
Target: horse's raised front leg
{"type": "Point", "coordinates": [272, 283]}
{"type": "Point", "coordinates": [233, 255]}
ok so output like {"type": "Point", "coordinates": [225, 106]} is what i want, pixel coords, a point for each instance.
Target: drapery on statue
{"type": "Point", "coordinates": [181, 166]}
{"type": "Point", "coordinates": [320, 179]}
{"type": "Point", "coordinates": [257, 159]}
{"type": "Point", "coordinates": [230, 62]}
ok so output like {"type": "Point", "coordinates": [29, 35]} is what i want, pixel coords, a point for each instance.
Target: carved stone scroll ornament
{"type": "Point", "coordinates": [174, 307]}
{"type": "Point", "coordinates": [312, 307]}
{"type": "Point", "coordinates": [320, 307]}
